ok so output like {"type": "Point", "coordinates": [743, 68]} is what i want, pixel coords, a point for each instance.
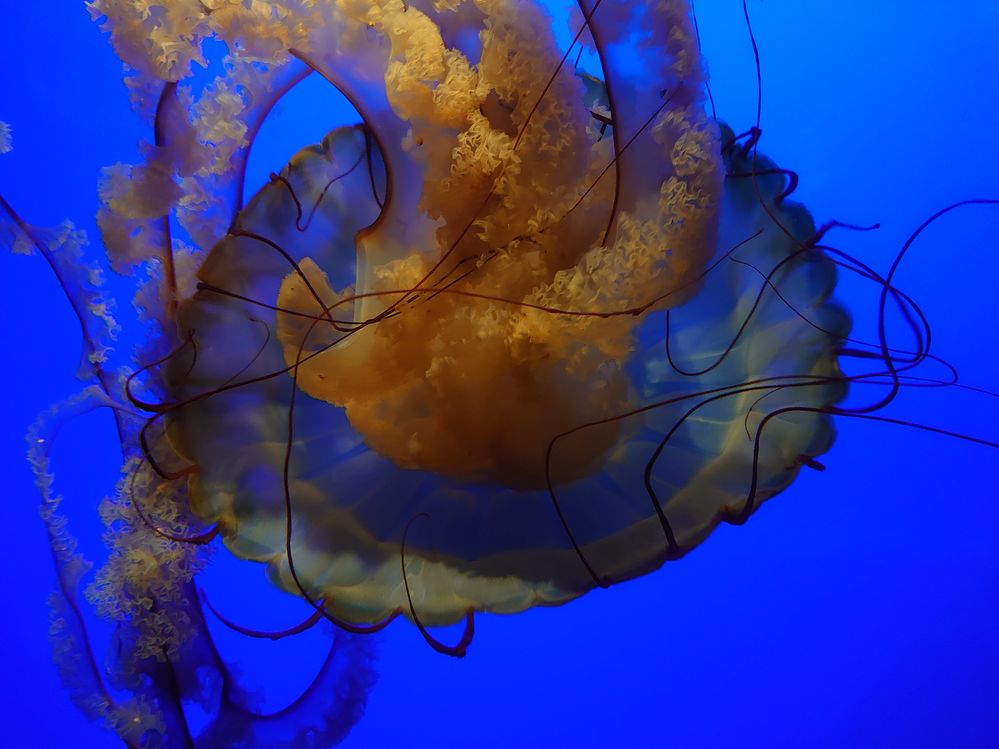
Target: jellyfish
{"type": "Point", "coordinates": [527, 327]}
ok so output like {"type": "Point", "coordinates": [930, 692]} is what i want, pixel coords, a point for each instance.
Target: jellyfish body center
{"type": "Point", "coordinates": [476, 391]}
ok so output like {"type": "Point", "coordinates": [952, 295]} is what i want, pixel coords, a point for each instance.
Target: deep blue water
{"type": "Point", "coordinates": [859, 608]}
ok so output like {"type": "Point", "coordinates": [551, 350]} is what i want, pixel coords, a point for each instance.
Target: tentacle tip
{"type": "Point", "coordinates": [809, 462]}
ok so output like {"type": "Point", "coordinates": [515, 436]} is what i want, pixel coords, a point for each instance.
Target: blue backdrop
{"type": "Point", "coordinates": [857, 609]}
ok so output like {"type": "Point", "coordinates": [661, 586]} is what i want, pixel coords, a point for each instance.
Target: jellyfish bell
{"type": "Point", "coordinates": [456, 312]}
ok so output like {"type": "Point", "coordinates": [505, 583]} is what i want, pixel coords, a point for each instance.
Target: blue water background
{"type": "Point", "coordinates": [858, 609]}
